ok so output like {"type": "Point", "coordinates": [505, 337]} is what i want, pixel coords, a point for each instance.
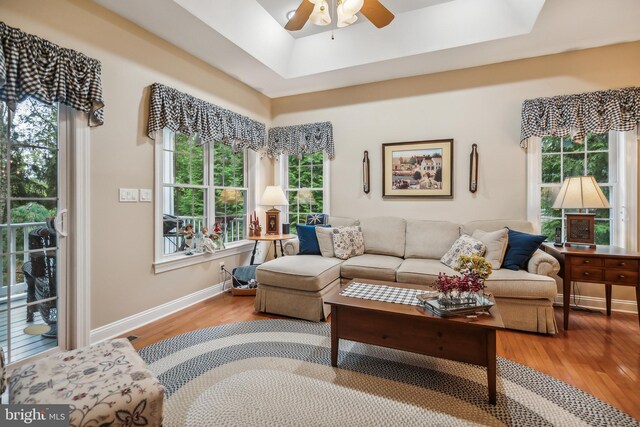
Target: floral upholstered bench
{"type": "Point", "coordinates": [104, 384]}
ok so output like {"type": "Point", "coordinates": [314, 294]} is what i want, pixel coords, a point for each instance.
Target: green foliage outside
{"type": "Point", "coordinates": [561, 158]}
{"type": "Point", "coordinates": [32, 167]}
{"type": "Point", "coordinates": [305, 189]}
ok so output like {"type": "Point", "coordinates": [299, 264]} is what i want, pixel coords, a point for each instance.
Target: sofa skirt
{"type": "Point", "coordinates": [295, 303]}
{"type": "Point", "coordinates": [528, 315]}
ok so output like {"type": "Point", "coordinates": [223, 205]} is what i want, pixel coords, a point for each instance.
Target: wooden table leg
{"type": "Point", "coordinates": [275, 250]}
{"type": "Point", "coordinates": [607, 292]}
{"type": "Point", "coordinates": [253, 254]}
{"type": "Point", "coordinates": [334, 336]}
{"type": "Point", "coordinates": [281, 248]}
{"type": "Point", "coordinates": [566, 300]}
{"type": "Point", "coordinates": [491, 365]}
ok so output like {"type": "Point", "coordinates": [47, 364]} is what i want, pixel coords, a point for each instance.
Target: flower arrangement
{"type": "Point", "coordinates": [455, 290]}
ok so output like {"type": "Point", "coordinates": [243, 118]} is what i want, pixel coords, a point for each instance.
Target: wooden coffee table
{"type": "Point", "coordinates": [415, 329]}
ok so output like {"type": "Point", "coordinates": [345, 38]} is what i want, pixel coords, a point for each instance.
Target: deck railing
{"type": "Point", "coordinates": [11, 262]}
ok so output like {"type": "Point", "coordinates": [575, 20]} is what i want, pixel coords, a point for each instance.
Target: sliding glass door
{"type": "Point", "coordinates": [32, 229]}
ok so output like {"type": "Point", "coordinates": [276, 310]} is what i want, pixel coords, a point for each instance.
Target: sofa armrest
{"type": "Point", "coordinates": [544, 264]}
{"type": "Point", "coordinates": [291, 246]}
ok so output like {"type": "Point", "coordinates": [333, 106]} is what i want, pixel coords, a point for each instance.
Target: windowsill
{"type": "Point", "coordinates": [175, 262]}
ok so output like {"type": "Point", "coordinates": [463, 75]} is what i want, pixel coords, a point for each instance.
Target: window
{"type": "Point", "coordinates": [202, 184]}
{"type": "Point", "coordinates": [604, 156]}
{"type": "Point", "coordinates": [306, 186]}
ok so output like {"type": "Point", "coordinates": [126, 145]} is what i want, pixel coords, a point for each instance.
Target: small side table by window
{"type": "Point", "coordinates": [270, 238]}
{"type": "Point", "coordinates": [610, 265]}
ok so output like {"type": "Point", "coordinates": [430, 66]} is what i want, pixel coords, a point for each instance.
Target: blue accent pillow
{"type": "Point", "coordinates": [520, 249]}
{"type": "Point", "coordinates": [308, 240]}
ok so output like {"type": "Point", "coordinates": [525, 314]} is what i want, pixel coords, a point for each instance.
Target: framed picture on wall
{"type": "Point", "coordinates": [418, 169]}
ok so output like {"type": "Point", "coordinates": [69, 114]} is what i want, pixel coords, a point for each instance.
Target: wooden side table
{"type": "Point", "coordinates": [270, 238]}
{"type": "Point", "coordinates": [610, 265]}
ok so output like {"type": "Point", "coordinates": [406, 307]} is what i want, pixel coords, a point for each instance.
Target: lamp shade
{"type": "Point", "coordinates": [320, 14]}
{"type": "Point", "coordinates": [274, 196]}
{"type": "Point", "coordinates": [581, 192]}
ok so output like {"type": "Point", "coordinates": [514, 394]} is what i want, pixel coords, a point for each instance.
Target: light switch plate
{"type": "Point", "coordinates": [128, 195]}
{"type": "Point", "coordinates": [145, 195]}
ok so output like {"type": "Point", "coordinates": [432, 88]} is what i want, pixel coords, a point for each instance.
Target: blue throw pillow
{"type": "Point", "coordinates": [308, 240]}
{"type": "Point", "coordinates": [520, 249]}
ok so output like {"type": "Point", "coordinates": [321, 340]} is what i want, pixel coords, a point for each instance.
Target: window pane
{"type": "Point", "coordinates": [190, 204]}
{"type": "Point", "coordinates": [218, 164]}
{"type": "Point", "coordinates": [603, 213]}
{"type": "Point", "coordinates": [34, 172]}
{"type": "Point", "coordinates": [294, 179]}
{"type": "Point", "coordinates": [316, 204]}
{"type": "Point", "coordinates": [570, 146]}
{"type": "Point", "coordinates": [181, 207]}
{"type": "Point", "coordinates": [188, 161]}
{"type": "Point", "coordinates": [316, 181]}
{"type": "Point", "coordinates": [598, 142]}
{"type": "Point", "coordinates": [548, 227]}
{"type": "Point", "coordinates": [317, 158]}
{"type": "Point", "coordinates": [548, 196]}
{"type": "Point", "coordinates": [551, 144]}
{"type": "Point", "coordinates": [230, 213]}
{"type": "Point", "coordinates": [551, 169]}
{"type": "Point", "coordinates": [573, 165]}
{"type": "Point", "coordinates": [35, 123]}
{"type": "Point", "coordinates": [293, 161]}
{"type": "Point", "coordinates": [305, 177]}
{"type": "Point", "coordinates": [598, 166]}
{"type": "Point", "coordinates": [238, 170]}
{"type": "Point", "coordinates": [307, 160]}
{"type": "Point", "coordinates": [603, 232]}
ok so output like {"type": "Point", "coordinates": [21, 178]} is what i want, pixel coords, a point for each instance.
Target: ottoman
{"type": "Point", "coordinates": [296, 286]}
{"type": "Point", "coordinates": [105, 384]}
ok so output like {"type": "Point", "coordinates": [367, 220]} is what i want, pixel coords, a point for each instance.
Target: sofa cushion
{"type": "Point", "coordinates": [347, 242]}
{"type": "Point", "coordinates": [465, 245]}
{"type": "Point", "coordinates": [308, 273]}
{"type": "Point", "coordinates": [342, 221]}
{"type": "Point", "coordinates": [421, 271]}
{"type": "Point", "coordinates": [493, 225]}
{"type": "Point", "coordinates": [325, 241]}
{"type": "Point", "coordinates": [521, 284]}
{"type": "Point", "coordinates": [502, 283]}
{"type": "Point", "coordinates": [371, 266]}
{"type": "Point", "coordinates": [496, 243]}
{"type": "Point", "coordinates": [520, 249]}
{"type": "Point", "coordinates": [384, 235]}
{"type": "Point", "coordinates": [430, 239]}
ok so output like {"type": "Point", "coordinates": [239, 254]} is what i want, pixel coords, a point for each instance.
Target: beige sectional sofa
{"type": "Point", "coordinates": [406, 251]}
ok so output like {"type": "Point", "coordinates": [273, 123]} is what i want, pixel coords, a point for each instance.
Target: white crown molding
{"type": "Point", "coordinates": [122, 326]}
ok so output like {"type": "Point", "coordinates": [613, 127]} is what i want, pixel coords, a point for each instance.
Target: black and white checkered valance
{"type": "Point", "coordinates": [575, 115]}
{"type": "Point", "coordinates": [34, 67]}
{"type": "Point", "coordinates": [301, 139]}
{"type": "Point", "coordinates": [180, 112]}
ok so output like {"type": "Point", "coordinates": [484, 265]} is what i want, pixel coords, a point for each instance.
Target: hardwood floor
{"type": "Point", "coordinates": [599, 354]}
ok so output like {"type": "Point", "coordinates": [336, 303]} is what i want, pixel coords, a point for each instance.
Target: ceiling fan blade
{"type": "Point", "coordinates": [301, 16]}
{"type": "Point", "coordinates": [375, 12]}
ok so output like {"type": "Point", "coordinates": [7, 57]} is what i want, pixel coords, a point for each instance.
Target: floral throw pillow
{"type": "Point", "coordinates": [348, 242]}
{"type": "Point", "coordinates": [465, 245]}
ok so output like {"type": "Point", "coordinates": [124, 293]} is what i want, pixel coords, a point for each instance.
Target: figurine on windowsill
{"type": "Point", "coordinates": [217, 237]}
{"type": "Point", "coordinates": [188, 234]}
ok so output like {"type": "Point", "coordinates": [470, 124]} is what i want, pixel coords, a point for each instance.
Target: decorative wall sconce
{"type": "Point", "coordinates": [473, 169]}
{"type": "Point", "coordinates": [365, 173]}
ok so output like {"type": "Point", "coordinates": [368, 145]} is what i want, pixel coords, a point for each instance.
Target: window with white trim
{"type": "Point", "coordinates": [305, 181]}
{"type": "Point", "coordinates": [202, 184]}
{"type": "Point", "coordinates": [607, 157]}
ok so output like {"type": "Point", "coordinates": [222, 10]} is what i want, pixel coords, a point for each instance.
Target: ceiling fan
{"type": "Point", "coordinates": [317, 11]}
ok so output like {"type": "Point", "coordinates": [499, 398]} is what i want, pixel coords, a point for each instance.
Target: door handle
{"type": "Point", "coordinates": [60, 223]}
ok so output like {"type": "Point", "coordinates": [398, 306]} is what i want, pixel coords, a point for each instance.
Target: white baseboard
{"type": "Point", "coordinates": [140, 319]}
{"type": "Point", "coordinates": [597, 303]}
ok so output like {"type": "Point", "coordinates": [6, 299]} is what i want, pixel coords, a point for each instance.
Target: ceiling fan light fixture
{"type": "Point", "coordinates": [320, 14]}
{"type": "Point", "coordinates": [344, 18]}
{"type": "Point", "coordinates": [351, 7]}
{"type": "Point", "coordinates": [290, 14]}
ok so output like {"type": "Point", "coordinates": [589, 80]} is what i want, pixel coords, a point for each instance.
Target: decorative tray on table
{"type": "Point", "coordinates": [469, 306]}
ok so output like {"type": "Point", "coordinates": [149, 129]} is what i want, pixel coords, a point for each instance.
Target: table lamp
{"type": "Point", "coordinates": [580, 192]}
{"type": "Point", "coordinates": [273, 196]}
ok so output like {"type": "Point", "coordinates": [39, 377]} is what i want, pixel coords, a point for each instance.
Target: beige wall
{"type": "Point", "coordinates": [123, 282]}
{"type": "Point", "coordinates": [478, 105]}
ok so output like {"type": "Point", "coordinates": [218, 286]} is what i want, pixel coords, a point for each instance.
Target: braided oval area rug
{"type": "Point", "coordinates": [278, 373]}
